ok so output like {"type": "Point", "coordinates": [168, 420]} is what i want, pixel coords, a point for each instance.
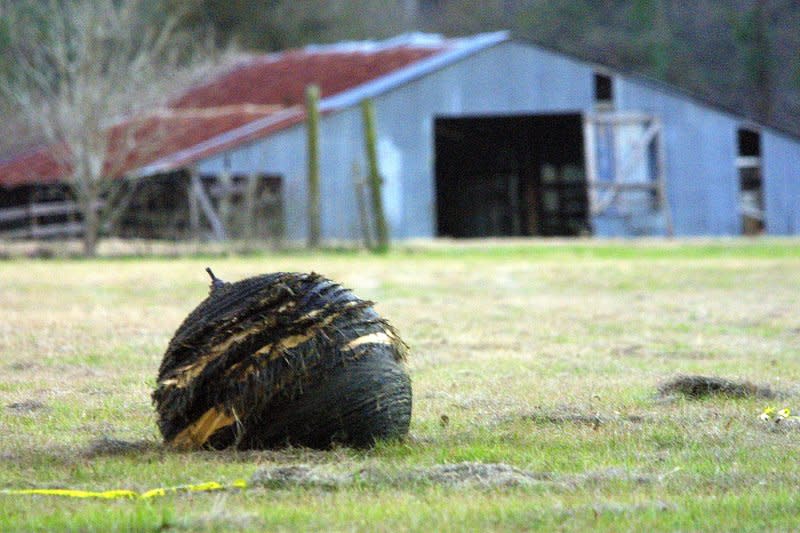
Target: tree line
{"type": "Point", "coordinates": [741, 54]}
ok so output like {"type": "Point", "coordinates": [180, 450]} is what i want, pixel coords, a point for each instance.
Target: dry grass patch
{"type": "Point", "coordinates": [543, 360]}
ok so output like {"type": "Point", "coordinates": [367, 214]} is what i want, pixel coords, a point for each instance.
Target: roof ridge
{"type": "Point", "coordinates": [405, 40]}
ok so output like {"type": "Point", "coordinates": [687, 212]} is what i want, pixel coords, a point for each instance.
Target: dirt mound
{"type": "Point", "coordinates": [487, 475]}
{"type": "Point", "coordinates": [25, 407]}
{"type": "Point", "coordinates": [696, 387]}
{"type": "Point", "coordinates": [467, 474]}
{"type": "Point", "coordinates": [282, 477]}
{"type": "Point", "coordinates": [109, 446]}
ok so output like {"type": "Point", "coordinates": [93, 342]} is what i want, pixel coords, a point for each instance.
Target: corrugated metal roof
{"type": "Point", "coordinates": [255, 98]}
{"type": "Point", "coordinates": [164, 132]}
{"type": "Point", "coordinates": [423, 56]}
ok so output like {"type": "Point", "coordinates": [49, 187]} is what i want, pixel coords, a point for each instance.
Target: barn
{"type": "Point", "coordinates": [476, 136]}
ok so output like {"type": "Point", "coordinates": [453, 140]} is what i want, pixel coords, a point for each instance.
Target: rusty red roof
{"type": "Point", "coordinates": [152, 137]}
{"type": "Point", "coordinates": [282, 79]}
{"type": "Point", "coordinates": [253, 99]}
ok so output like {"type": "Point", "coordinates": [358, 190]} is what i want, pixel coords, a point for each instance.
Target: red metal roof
{"type": "Point", "coordinates": [282, 79]}
{"type": "Point", "coordinates": [264, 86]}
{"type": "Point", "coordinates": [152, 138]}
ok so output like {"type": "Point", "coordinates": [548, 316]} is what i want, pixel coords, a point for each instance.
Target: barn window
{"type": "Point", "coordinates": [751, 191]}
{"type": "Point", "coordinates": [603, 89]}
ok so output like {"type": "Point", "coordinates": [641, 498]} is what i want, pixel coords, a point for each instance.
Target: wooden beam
{"type": "Point", "coordinates": [312, 128]}
{"type": "Point", "coordinates": [638, 152]}
{"type": "Point", "coordinates": [67, 229]}
{"type": "Point", "coordinates": [194, 210]}
{"type": "Point", "coordinates": [617, 186]}
{"type": "Point", "coordinates": [250, 207]}
{"type": "Point", "coordinates": [374, 178]}
{"type": "Point", "coordinates": [38, 210]}
{"type": "Point", "coordinates": [207, 208]}
{"type": "Point", "coordinates": [744, 161]}
{"type": "Point", "coordinates": [361, 204]}
{"type": "Point", "coordinates": [662, 180]}
{"type": "Point", "coordinates": [590, 158]}
{"type": "Point", "coordinates": [224, 181]}
{"type": "Point", "coordinates": [619, 117]}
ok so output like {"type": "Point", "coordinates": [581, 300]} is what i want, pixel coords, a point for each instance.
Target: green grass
{"type": "Point", "coordinates": [517, 343]}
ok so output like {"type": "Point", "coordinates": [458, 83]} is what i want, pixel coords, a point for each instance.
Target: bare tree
{"type": "Point", "coordinates": [85, 73]}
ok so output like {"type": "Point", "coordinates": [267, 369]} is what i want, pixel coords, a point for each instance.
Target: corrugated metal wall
{"type": "Point", "coordinates": [701, 149]}
{"type": "Point", "coordinates": [514, 78]}
{"type": "Point", "coordinates": [781, 167]}
{"type": "Point", "coordinates": [506, 79]}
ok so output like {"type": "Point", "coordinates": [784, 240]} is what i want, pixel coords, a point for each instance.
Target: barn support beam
{"type": "Point", "coordinates": [250, 223]}
{"type": "Point", "coordinates": [207, 208]}
{"type": "Point", "coordinates": [225, 182]}
{"type": "Point", "coordinates": [194, 211]}
{"type": "Point", "coordinates": [662, 184]}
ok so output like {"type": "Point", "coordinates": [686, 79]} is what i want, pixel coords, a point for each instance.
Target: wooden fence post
{"type": "Point", "coordinates": [312, 126]}
{"type": "Point", "coordinates": [374, 177]}
{"type": "Point", "coordinates": [363, 216]}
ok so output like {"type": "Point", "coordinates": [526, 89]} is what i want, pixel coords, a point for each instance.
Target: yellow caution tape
{"type": "Point", "coordinates": [122, 493]}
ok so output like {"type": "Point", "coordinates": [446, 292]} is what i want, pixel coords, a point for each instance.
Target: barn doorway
{"type": "Point", "coordinates": [503, 176]}
{"type": "Point", "coordinates": [751, 187]}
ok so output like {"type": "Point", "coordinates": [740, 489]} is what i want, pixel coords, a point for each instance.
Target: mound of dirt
{"type": "Point", "coordinates": [467, 474]}
{"type": "Point", "coordinates": [696, 387]}
{"type": "Point", "coordinates": [486, 475]}
{"type": "Point", "coordinates": [25, 407]}
{"type": "Point", "coordinates": [283, 477]}
{"type": "Point", "coordinates": [109, 446]}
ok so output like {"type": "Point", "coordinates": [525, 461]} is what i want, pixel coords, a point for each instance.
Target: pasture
{"type": "Point", "coordinates": [542, 359]}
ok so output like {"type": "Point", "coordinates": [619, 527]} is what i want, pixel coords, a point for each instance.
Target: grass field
{"type": "Point", "coordinates": [542, 357]}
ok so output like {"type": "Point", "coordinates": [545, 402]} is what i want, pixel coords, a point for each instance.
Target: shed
{"type": "Point", "coordinates": [477, 136]}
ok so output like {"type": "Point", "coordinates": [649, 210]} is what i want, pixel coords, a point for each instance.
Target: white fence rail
{"type": "Point", "coordinates": [31, 221]}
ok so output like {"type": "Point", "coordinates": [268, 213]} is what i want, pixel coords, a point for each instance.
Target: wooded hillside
{"type": "Point", "coordinates": [739, 54]}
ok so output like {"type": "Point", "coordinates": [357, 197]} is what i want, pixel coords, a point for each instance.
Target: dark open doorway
{"type": "Point", "coordinates": [751, 186]}
{"type": "Point", "coordinates": [515, 175]}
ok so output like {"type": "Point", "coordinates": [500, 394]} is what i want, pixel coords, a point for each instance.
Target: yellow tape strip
{"type": "Point", "coordinates": [122, 493]}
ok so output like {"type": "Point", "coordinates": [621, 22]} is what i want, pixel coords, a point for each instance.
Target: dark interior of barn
{"type": "Point", "coordinates": [163, 206]}
{"type": "Point", "coordinates": [520, 175]}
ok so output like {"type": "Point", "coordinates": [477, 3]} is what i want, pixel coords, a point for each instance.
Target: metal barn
{"type": "Point", "coordinates": [477, 136]}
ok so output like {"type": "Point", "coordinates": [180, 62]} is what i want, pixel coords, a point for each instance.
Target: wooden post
{"type": "Point", "coordinates": [590, 160]}
{"type": "Point", "coordinates": [251, 221]}
{"type": "Point", "coordinates": [194, 208]}
{"type": "Point", "coordinates": [225, 181]}
{"type": "Point", "coordinates": [662, 179]}
{"type": "Point", "coordinates": [312, 127]}
{"type": "Point", "coordinates": [374, 177]}
{"type": "Point", "coordinates": [363, 216]}
{"type": "Point", "coordinates": [208, 209]}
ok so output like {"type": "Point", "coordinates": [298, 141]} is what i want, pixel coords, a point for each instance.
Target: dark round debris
{"type": "Point", "coordinates": [696, 387]}
{"type": "Point", "coordinates": [282, 359]}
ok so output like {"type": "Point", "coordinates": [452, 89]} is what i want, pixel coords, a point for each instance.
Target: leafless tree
{"type": "Point", "coordinates": [85, 73]}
